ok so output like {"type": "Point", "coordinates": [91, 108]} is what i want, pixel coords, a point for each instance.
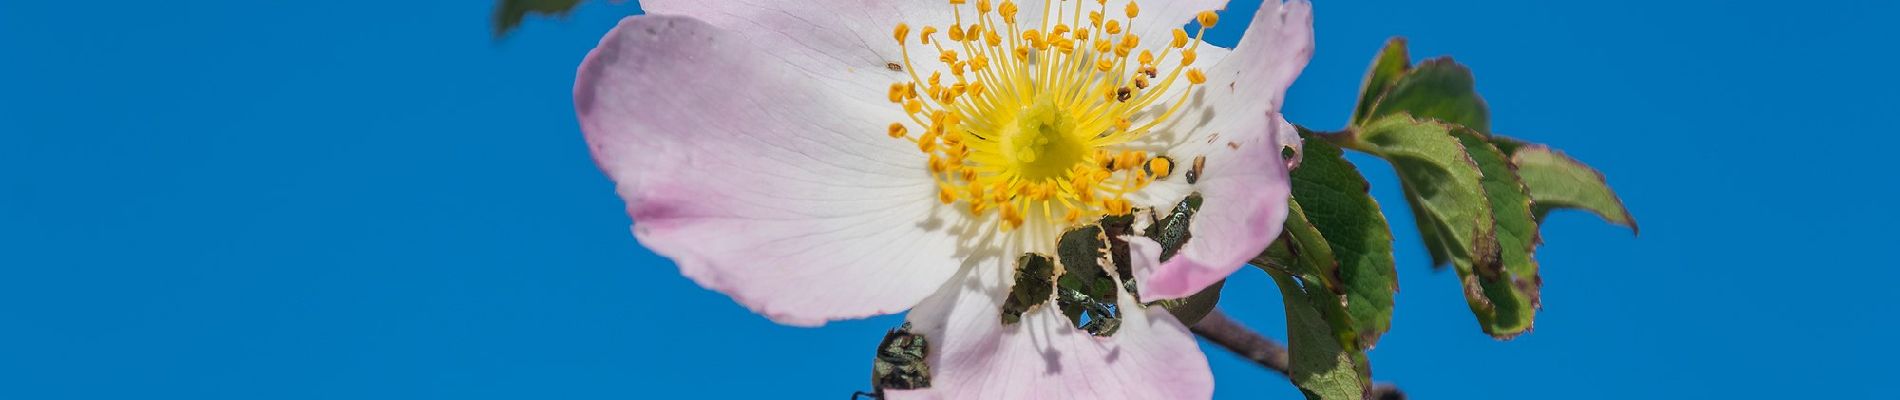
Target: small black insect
{"type": "Point", "coordinates": [1200, 166]}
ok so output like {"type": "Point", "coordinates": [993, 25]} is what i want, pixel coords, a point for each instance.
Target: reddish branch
{"type": "Point", "coordinates": [1231, 335]}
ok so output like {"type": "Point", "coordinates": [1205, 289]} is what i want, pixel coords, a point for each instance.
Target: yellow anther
{"type": "Point", "coordinates": [946, 194]}
{"type": "Point", "coordinates": [1147, 57]}
{"type": "Point", "coordinates": [925, 35]}
{"type": "Point", "coordinates": [1104, 65]}
{"type": "Point", "coordinates": [982, 6]}
{"type": "Point", "coordinates": [956, 34]}
{"type": "Point", "coordinates": [1095, 19]}
{"type": "Point", "coordinates": [976, 31]}
{"type": "Point", "coordinates": [1112, 27]}
{"type": "Point", "coordinates": [1188, 57]}
{"type": "Point", "coordinates": [1012, 218]}
{"type": "Point", "coordinates": [898, 130]}
{"type": "Point", "coordinates": [902, 33]}
{"type": "Point", "coordinates": [1207, 19]}
{"type": "Point", "coordinates": [1008, 11]}
{"type": "Point", "coordinates": [1196, 77]}
{"type": "Point", "coordinates": [1072, 216]}
{"type": "Point", "coordinates": [1059, 30]}
{"type": "Point", "coordinates": [897, 93]}
{"type": "Point", "coordinates": [929, 142]}
{"type": "Point", "coordinates": [913, 106]}
{"type": "Point", "coordinates": [956, 2]}
{"type": "Point", "coordinates": [990, 37]}
{"type": "Point", "coordinates": [1133, 10]}
{"type": "Point", "coordinates": [1081, 35]}
{"type": "Point", "coordinates": [1160, 166]}
{"type": "Point", "coordinates": [948, 57]}
{"type": "Point", "coordinates": [1180, 38]}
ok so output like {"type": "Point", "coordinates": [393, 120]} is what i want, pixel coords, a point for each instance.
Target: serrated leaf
{"type": "Point", "coordinates": [509, 13]}
{"type": "Point", "coordinates": [1445, 187]}
{"type": "Point", "coordinates": [1335, 198]}
{"type": "Point", "coordinates": [1557, 181]}
{"type": "Point", "coordinates": [1513, 290]}
{"type": "Point", "coordinates": [1439, 89]}
{"type": "Point", "coordinates": [1313, 255]}
{"type": "Point", "coordinates": [1322, 367]}
{"type": "Point", "coordinates": [1303, 253]}
{"type": "Point", "coordinates": [1391, 63]}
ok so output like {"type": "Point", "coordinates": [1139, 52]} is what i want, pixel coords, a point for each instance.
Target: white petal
{"type": "Point", "coordinates": [974, 356]}
{"type": "Point", "coordinates": [759, 179]}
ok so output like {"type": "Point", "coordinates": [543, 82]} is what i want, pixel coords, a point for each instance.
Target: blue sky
{"type": "Point", "coordinates": [369, 199]}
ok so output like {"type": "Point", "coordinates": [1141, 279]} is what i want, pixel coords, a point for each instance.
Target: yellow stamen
{"type": "Point", "coordinates": [1039, 122]}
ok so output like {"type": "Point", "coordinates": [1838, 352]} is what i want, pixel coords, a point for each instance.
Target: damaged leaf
{"type": "Point", "coordinates": [1446, 190]}
{"type": "Point", "coordinates": [1513, 290]}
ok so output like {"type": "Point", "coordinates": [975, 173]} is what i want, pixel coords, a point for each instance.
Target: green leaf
{"type": "Point", "coordinates": [1320, 365]}
{"type": "Point", "coordinates": [1303, 254]}
{"type": "Point", "coordinates": [1445, 187]}
{"type": "Point", "coordinates": [1386, 69]}
{"type": "Point", "coordinates": [1439, 89]}
{"type": "Point", "coordinates": [1557, 181]}
{"type": "Point", "coordinates": [1191, 309]}
{"type": "Point", "coordinates": [1335, 198]}
{"type": "Point", "coordinates": [1512, 290]}
{"type": "Point", "coordinates": [509, 13]}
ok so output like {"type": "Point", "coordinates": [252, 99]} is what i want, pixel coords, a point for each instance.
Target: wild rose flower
{"type": "Point", "coordinates": [1029, 177]}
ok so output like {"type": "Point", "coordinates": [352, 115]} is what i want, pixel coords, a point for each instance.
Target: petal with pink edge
{"type": "Point", "coordinates": [1231, 129]}
{"type": "Point", "coordinates": [760, 180]}
{"type": "Point", "coordinates": [974, 356]}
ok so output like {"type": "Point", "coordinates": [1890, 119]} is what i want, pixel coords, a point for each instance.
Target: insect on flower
{"type": "Point", "coordinates": [1004, 170]}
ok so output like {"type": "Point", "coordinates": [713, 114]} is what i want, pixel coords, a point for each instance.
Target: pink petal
{"type": "Point", "coordinates": [973, 356]}
{"type": "Point", "coordinates": [1240, 132]}
{"type": "Point", "coordinates": [762, 180]}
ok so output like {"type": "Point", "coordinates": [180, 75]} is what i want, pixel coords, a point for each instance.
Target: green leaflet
{"type": "Point", "coordinates": [1390, 64]}
{"type": "Point", "coordinates": [1446, 187]}
{"type": "Point", "coordinates": [1512, 290]}
{"type": "Point", "coordinates": [1557, 181]}
{"type": "Point", "coordinates": [509, 13]}
{"type": "Point", "coordinates": [1334, 197]}
{"type": "Point", "coordinates": [1322, 367]}
{"type": "Point", "coordinates": [1305, 256]}
{"type": "Point", "coordinates": [1439, 89]}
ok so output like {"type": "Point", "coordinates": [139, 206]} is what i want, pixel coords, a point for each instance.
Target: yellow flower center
{"type": "Point", "coordinates": [1039, 121]}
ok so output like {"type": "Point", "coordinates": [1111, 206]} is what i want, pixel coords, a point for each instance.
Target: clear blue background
{"type": "Point", "coordinates": [372, 199]}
